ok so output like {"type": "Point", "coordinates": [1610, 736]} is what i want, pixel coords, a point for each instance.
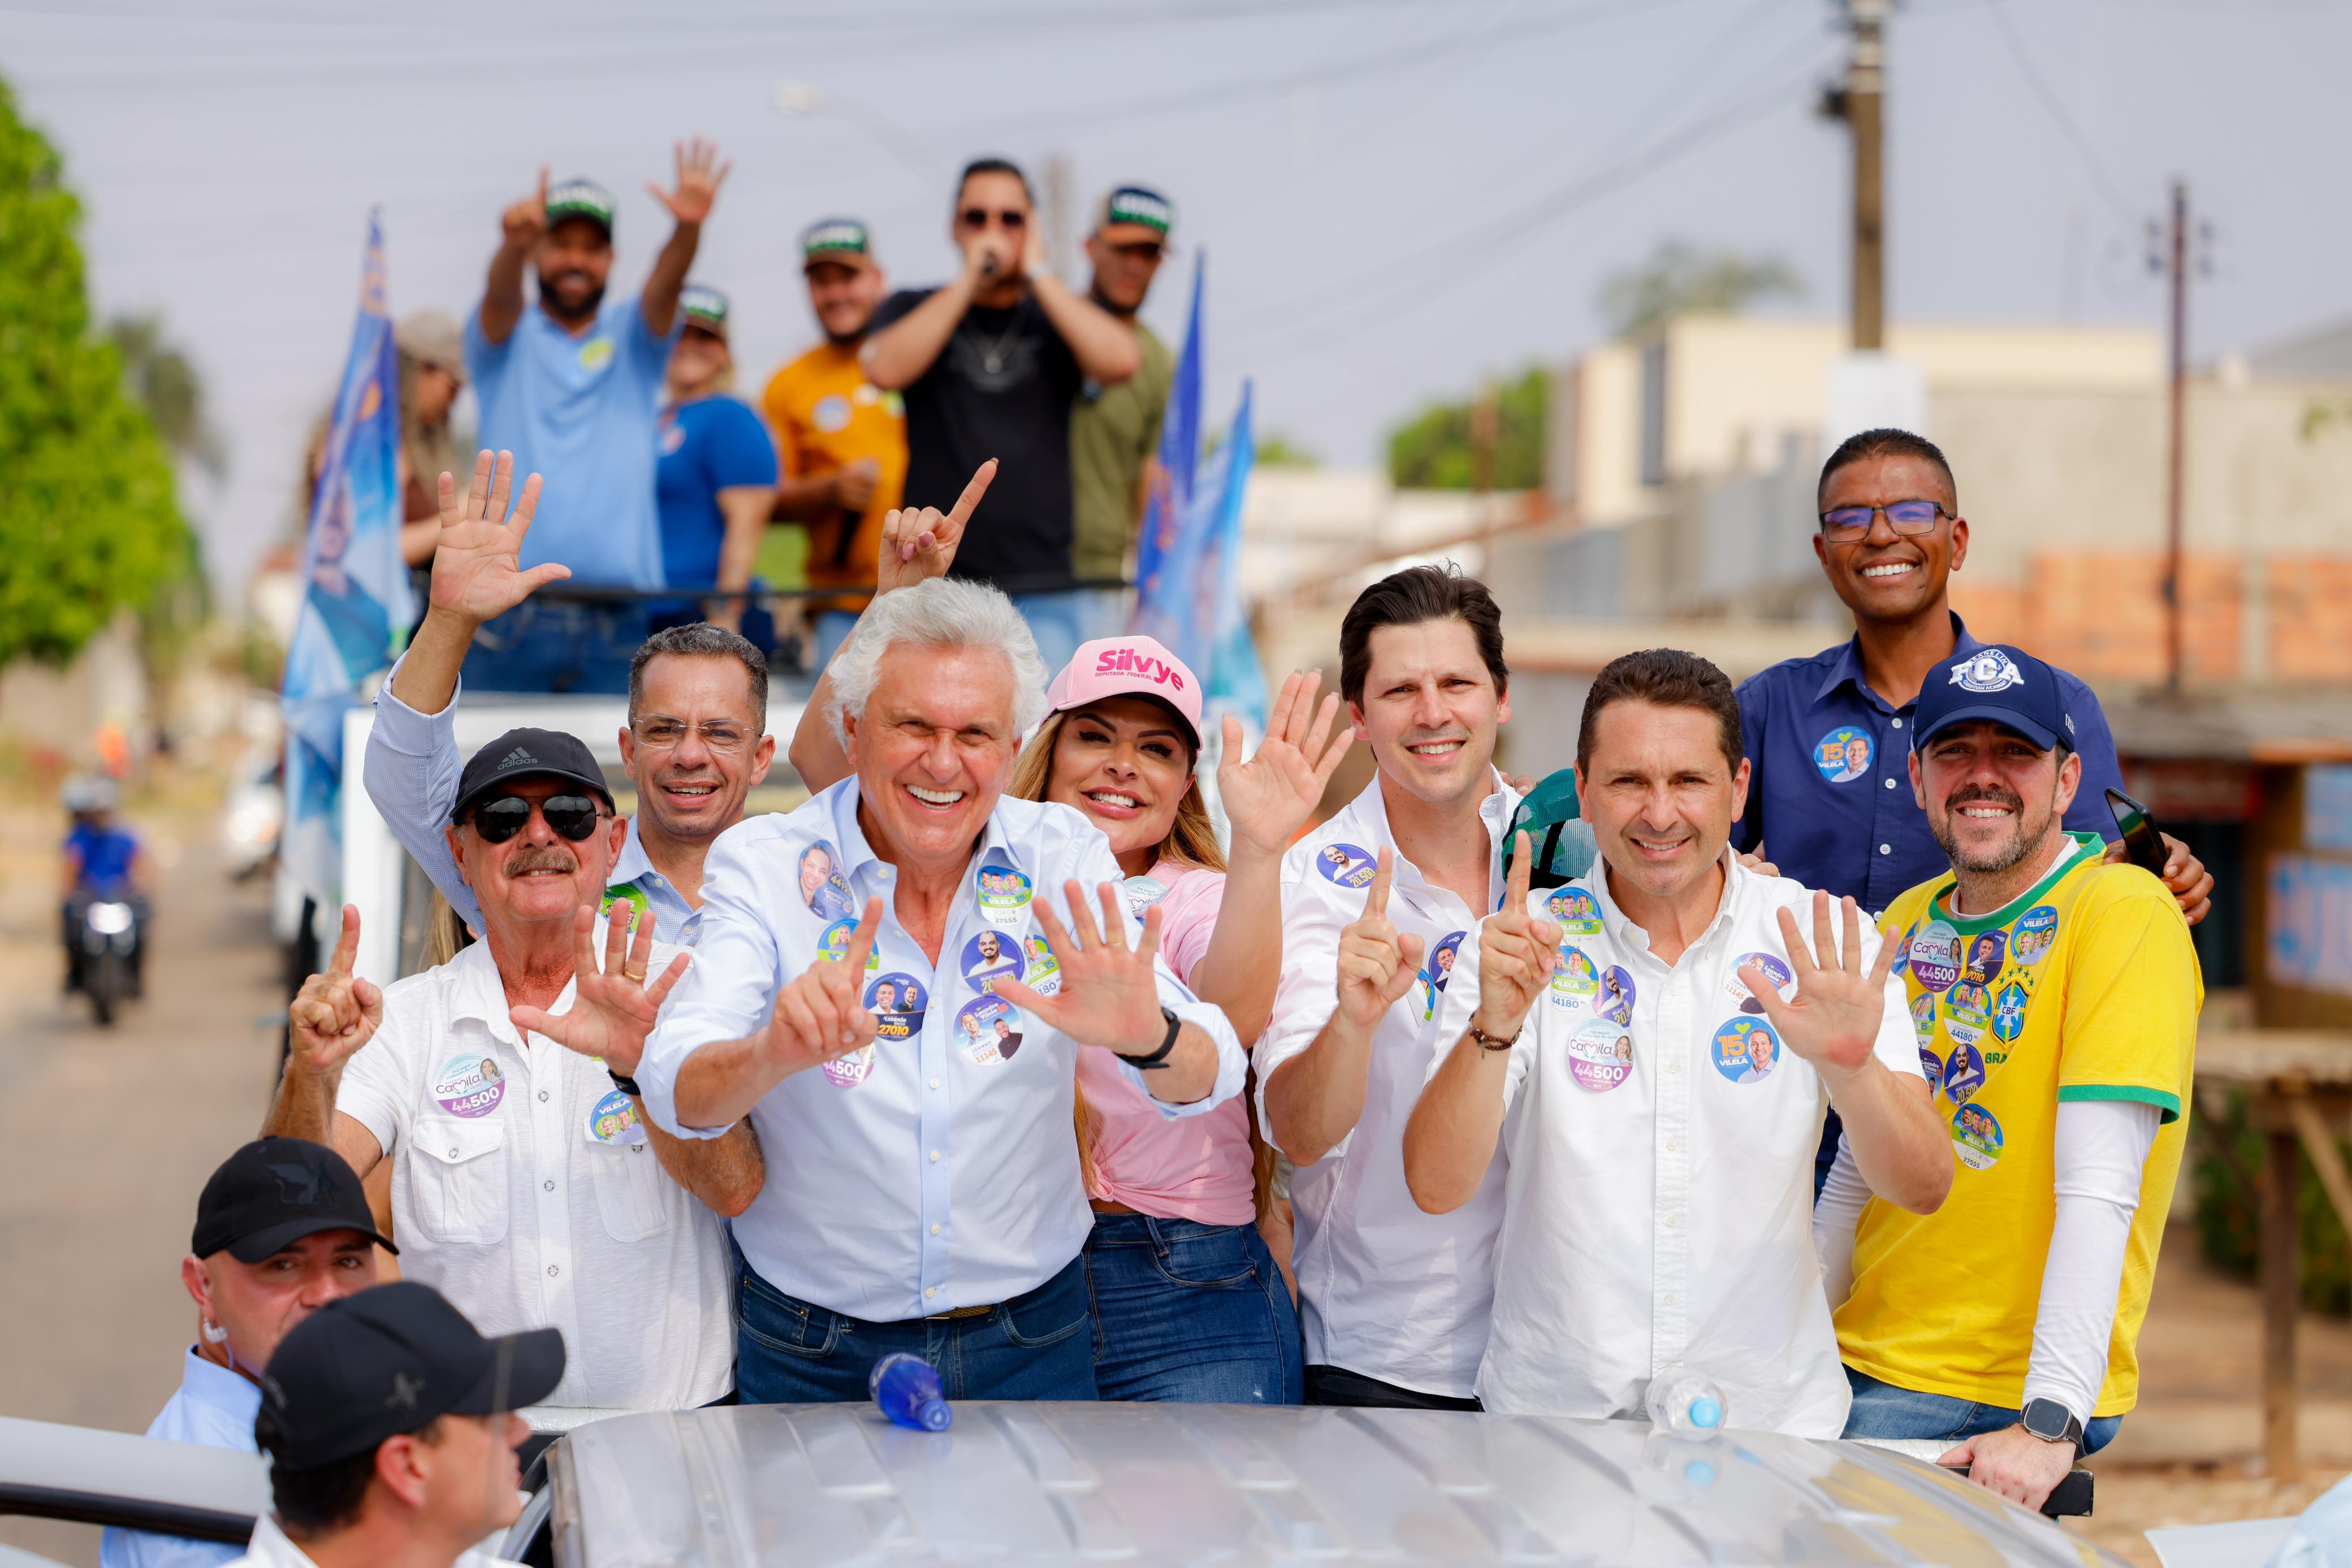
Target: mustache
{"type": "Point", "coordinates": [1999, 795]}
{"type": "Point", "coordinates": [534, 857]}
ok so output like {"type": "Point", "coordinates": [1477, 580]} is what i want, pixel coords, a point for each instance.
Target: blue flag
{"type": "Point", "coordinates": [355, 597]}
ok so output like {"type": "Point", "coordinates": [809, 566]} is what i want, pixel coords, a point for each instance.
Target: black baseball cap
{"type": "Point", "coordinates": [386, 1361]}
{"type": "Point", "coordinates": [525, 753]}
{"type": "Point", "coordinates": [2005, 685]}
{"type": "Point", "coordinates": [274, 1191]}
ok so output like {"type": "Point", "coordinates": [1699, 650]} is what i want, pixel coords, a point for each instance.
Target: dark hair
{"type": "Point", "coordinates": [1886, 442]}
{"type": "Point", "coordinates": [1669, 678]}
{"type": "Point", "coordinates": [701, 639]}
{"type": "Point", "coordinates": [326, 1497]}
{"type": "Point", "coordinates": [1408, 598]}
{"type": "Point", "coordinates": [994, 166]}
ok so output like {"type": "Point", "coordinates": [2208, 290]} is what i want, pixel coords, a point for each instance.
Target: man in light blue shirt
{"type": "Point", "coordinates": [282, 1229]}
{"type": "Point", "coordinates": [570, 384]}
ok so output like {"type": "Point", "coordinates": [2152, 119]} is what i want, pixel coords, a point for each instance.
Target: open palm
{"type": "Point", "coordinates": [1109, 995]}
{"type": "Point", "coordinates": [699, 174]}
{"type": "Point", "coordinates": [1833, 1019]}
{"type": "Point", "coordinates": [478, 566]}
{"type": "Point", "coordinates": [612, 1009]}
{"type": "Point", "coordinates": [1269, 798]}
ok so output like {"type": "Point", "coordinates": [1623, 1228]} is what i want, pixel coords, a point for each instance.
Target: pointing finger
{"type": "Point", "coordinates": [861, 941]}
{"type": "Point", "coordinates": [346, 945]}
{"type": "Point", "coordinates": [1516, 899]}
{"type": "Point", "coordinates": [543, 188]}
{"type": "Point", "coordinates": [972, 492]}
{"type": "Point", "coordinates": [1376, 898]}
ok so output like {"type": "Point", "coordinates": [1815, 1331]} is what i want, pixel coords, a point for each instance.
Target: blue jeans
{"type": "Point", "coordinates": [788, 1351]}
{"type": "Point", "coordinates": [557, 645]}
{"type": "Point", "coordinates": [1191, 1313]}
{"type": "Point", "coordinates": [1883, 1410]}
{"type": "Point", "coordinates": [1059, 621]}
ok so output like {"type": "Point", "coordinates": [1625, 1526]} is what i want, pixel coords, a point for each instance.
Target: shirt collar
{"type": "Point", "coordinates": [1630, 938]}
{"type": "Point", "coordinates": [270, 1548]}
{"type": "Point", "coordinates": [209, 1384]}
{"type": "Point", "coordinates": [1371, 808]}
{"type": "Point", "coordinates": [1847, 665]}
{"type": "Point", "coordinates": [481, 995]}
{"type": "Point", "coordinates": [857, 854]}
{"type": "Point", "coordinates": [631, 865]}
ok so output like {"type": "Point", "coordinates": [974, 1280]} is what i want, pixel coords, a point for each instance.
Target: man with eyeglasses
{"type": "Point", "coordinates": [695, 746]}
{"type": "Point", "coordinates": [1115, 430]}
{"type": "Point", "coordinates": [990, 365]}
{"type": "Point", "coordinates": [528, 1185]}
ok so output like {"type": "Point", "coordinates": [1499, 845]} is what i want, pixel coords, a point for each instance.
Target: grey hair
{"type": "Point", "coordinates": [943, 612]}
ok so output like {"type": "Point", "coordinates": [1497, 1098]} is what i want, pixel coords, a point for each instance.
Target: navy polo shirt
{"type": "Point", "coordinates": [1830, 796]}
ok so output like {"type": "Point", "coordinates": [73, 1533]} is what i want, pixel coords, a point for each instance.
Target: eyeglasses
{"type": "Point", "coordinates": [1847, 524]}
{"type": "Point", "coordinates": [1013, 221]}
{"type": "Point", "coordinates": [1141, 249]}
{"type": "Point", "coordinates": [669, 733]}
{"type": "Point", "coordinates": [501, 817]}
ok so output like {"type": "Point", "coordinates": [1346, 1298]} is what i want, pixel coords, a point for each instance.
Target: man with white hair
{"type": "Point", "coordinates": [923, 1191]}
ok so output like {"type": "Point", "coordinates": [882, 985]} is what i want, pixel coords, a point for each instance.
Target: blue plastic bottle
{"type": "Point", "coordinates": [908, 1390]}
{"type": "Point", "coordinates": [1687, 1406]}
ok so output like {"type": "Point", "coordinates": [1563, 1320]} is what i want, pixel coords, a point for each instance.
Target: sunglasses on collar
{"type": "Point", "coordinates": [501, 817]}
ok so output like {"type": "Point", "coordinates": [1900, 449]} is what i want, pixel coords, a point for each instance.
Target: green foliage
{"type": "Point", "coordinates": [1276, 450]}
{"type": "Point", "coordinates": [2228, 1160]}
{"type": "Point", "coordinates": [166, 383]}
{"type": "Point", "coordinates": [88, 521]}
{"type": "Point", "coordinates": [1432, 450]}
{"type": "Point", "coordinates": [1677, 278]}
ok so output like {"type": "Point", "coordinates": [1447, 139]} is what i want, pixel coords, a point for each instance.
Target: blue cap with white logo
{"type": "Point", "coordinates": [2007, 685]}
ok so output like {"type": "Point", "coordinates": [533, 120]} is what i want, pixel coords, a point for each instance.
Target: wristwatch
{"type": "Point", "coordinates": [1158, 1058]}
{"type": "Point", "coordinates": [2053, 1423]}
{"type": "Point", "coordinates": [626, 1085]}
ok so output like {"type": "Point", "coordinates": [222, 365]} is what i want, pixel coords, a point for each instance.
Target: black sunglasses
{"type": "Point", "coordinates": [977, 218]}
{"type": "Point", "coordinates": [501, 817]}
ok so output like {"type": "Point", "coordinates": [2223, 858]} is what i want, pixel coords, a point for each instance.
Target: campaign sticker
{"type": "Point", "coordinates": [1746, 1049]}
{"type": "Point", "coordinates": [1902, 949]}
{"type": "Point", "coordinates": [1345, 865]}
{"type": "Point", "coordinates": [1923, 1016]}
{"type": "Point", "coordinates": [2009, 1012]}
{"type": "Point", "coordinates": [1964, 1073]}
{"type": "Point", "coordinates": [1600, 1055]}
{"type": "Point", "coordinates": [989, 957]}
{"type": "Point", "coordinates": [1615, 999]}
{"type": "Point", "coordinates": [2031, 938]}
{"type": "Point", "coordinates": [849, 1072]}
{"type": "Point", "coordinates": [1002, 894]}
{"type": "Point", "coordinates": [897, 1002]}
{"type": "Point", "coordinates": [833, 945]}
{"type": "Point", "coordinates": [823, 887]}
{"type": "Point", "coordinates": [1844, 754]}
{"type": "Point", "coordinates": [1142, 892]}
{"type": "Point", "coordinates": [1774, 970]}
{"type": "Point", "coordinates": [1931, 1068]}
{"type": "Point", "coordinates": [595, 353]}
{"type": "Point", "coordinates": [614, 1121]}
{"type": "Point", "coordinates": [635, 898]}
{"type": "Point", "coordinates": [1936, 956]}
{"type": "Point", "coordinates": [1574, 977]}
{"type": "Point", "coordinates": [1988, 952]}
{"type": "Point", "coordinates": [1967, 1012]}
{"type": "Point", "coordinates": [831, 413]}
{"type": "Point", "coordinates": [1976, 1137]}
{"type": "Point", "coordinates": [1576, 910]}
{"type": "Point", "coordinates": [988, 1029]}
{"type": "Point", "coordinates": [1043, 971]}
{"type": "Point", "coordinates": [469, 1085]}
{"type": "Point", "coordinates": [1440, 968]}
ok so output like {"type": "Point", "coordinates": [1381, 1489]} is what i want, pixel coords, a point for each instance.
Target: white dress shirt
{"type": "Point", "coordinates": [935, 1170]}
{"type": "Point", "coordinates": [1383, 1289]}
{"type": "Point", "coordinates": [270, 1548]}
{"type": "Point", "coordinates": [214, 1408]}
{"type": "Point", "coordinates": [411, 770]}
{"type": "Point", "coordinates": [532, 1199]}
{"type": "Point", "coordinates": [1658, 1211]}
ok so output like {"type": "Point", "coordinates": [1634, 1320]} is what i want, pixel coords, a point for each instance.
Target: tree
{"type": "Point", "coordinates": [166, 383]}
{"type": "Point", "coordinates": [1678, 276]}
{"type": "Point", "coordinates": [87, 518]}
{"type": "Point", "coordinates": [1433, 451]}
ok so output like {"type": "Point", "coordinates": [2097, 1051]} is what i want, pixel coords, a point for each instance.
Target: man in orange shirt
{"type": "Point", "coordinates": [843, 440]}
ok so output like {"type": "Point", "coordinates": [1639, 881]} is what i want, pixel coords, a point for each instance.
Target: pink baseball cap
{"type": "Point", "coordinates": [1127, 667]}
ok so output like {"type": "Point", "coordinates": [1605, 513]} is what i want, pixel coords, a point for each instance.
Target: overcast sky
{"type": "Point", "coordinates": [1398, 195]}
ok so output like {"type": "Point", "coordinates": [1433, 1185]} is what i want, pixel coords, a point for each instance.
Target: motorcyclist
{"type": "Point", "coordinates": [103, 861]}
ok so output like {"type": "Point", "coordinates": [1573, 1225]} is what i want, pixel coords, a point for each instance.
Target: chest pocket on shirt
{"type": "Point", "coordinates": [633, 1192]}
{"type": "Point", "coordinates": [459, 1172]}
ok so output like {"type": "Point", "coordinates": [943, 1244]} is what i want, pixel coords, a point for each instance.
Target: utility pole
{"type": "Point", "coordinates": [1862, 100]}
{"type": "Point", "coordinates": [2174, 441]}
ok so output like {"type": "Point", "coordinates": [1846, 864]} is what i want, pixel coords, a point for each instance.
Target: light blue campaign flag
{"type": "Point", "coordinates": [1157, 547]}
{"type": "Point", "coordinates": [356, 606]}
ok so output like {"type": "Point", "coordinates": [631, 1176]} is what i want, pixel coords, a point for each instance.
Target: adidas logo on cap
{"type": "Point", "coordinates": [517, 757]}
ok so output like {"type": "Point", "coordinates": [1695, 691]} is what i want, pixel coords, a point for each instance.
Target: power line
{"type": "Point", "coordinates": [2056, 109]}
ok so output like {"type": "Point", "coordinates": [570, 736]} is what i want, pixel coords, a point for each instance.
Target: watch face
{"type": "Point", "coordinates": [2048, 1420]}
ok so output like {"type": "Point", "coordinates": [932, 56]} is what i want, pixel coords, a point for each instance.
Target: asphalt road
{"type": "Point", "coordinates": [107, 1136]}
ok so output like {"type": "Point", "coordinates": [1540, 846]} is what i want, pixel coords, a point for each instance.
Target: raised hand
{"type": "Point", "coordinates": [818, 1014]}
{"type": "Point", "coordinates": [1517, 952]}
{"type": "Point", "coordinates": [526, 221]}
{"type": "Point", "coordinates": [1833, 1022]}
{"type": "Point", "coordinates": [697, 182]}
{"type": "Point", "coordinates": [612, 1009]}
{"type": "Point", "coordinates": [478, 566]}
{"type": "Point", "coordinates": [1109, 995]}
{"type": "Point", "coordinates": [1376, 963]}
{"type": "Point", "coordinates": [1269, 798]}
{"type": "Point", "coordinates": [336, 1012]}
{"type": "Point", "coordinates": [919, 543]}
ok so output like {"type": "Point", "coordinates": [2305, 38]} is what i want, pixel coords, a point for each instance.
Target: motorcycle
{"type": "Point", "coordinates": [106, 933]}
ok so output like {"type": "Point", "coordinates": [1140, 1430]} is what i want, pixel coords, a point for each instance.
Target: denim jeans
{"type": "Point", "coordinates": [1059, 621]}
{"type": "Point", "coordinates": [1034, 1346]}
{"type": "Point", "coordinates": [1191, 1312]}
{"type": "Point", "coordinates": [556, 645]}
{"type": "Point", "coordinates": [1883, 1410]}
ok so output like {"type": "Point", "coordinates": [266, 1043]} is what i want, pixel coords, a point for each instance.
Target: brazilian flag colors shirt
{"type": "Point", "coordinates": [2085, 986]}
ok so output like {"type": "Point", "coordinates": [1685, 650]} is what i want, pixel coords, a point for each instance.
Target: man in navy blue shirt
{"type": "Point", "coordinates": [1829, 802]}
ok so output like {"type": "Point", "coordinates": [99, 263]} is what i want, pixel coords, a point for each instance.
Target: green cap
{"type": "Point", "coordinates": [842, 241]}
{"type": "Point", "coordinates": [704, 308]}
{"type": "Point", "coordinates": [1133, 206]}
{"type": "Point", "coordinates": [581, 199]}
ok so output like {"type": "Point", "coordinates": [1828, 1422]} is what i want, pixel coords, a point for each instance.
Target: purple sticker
{"type": "Point", "coordinates": [896, 1001]}
{"type": "Point", "coordinates": [849, 1072]}
{"type": "Point", "coordinates": [469, 1085]}
{"type": "Point", "coordinates": [991, 956]}
{"type": "Point", "coordinates": [1615, 999]}
{"type": "Point", "coordinates": [988, 1029]}
{"type": "Point", "coordinates": [1775, 970]}
{"type": "Point", "coordinates": [1600, 1055]}
{"type": "Point", "coordinates": [1345, 865]}
{"type": "Point", "coordinates": [1964, 1073]}
{"type": "Point", "coordinates": [823, 887]}
{"type": "Point", "coordinates": [1936, 956]}
{"type": "Point", "coordinates": [1988, 952]}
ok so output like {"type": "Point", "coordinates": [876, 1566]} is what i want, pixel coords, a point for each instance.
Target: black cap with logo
{"type": "Point", "coordinates": [386, 1361]}
{"type": "Point", "coordinates": [523, 754]}
{"type": "Point", "coordinates": [274, 1191]}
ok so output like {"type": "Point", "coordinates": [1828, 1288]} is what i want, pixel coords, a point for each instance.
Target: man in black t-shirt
{"type": "Point", "coordinates": [990, 365]}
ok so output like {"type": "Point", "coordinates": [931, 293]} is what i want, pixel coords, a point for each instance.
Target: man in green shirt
{"type": "Point", "coordinates": [1114, 429]}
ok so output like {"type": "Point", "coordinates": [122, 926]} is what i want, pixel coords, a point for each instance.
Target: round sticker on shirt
{"type": "Point", "coordinates": [1042, 974]}
{"type": "Point", "coordinates": [823, 887]}
{"type": "Point", "coordinates": [2031, 935]}
{"type": "Point", "coordinates": [1615, 1000]}
{"type": "Point", "coordinates": [989, 957]}
{"type": "Point", "coordinates": [1967, 1012]}
{"type": "Point", "coordinates": [629, 892]}
{"type": "Point", "coordinates": [1923, 1016]}
{"type": "Point", "coordinates": [831, 413]}
{"type": "Point", "coordinates": [595, 354]}
{"type": "Point", "coordinates": [1988, 952]}
{"type": "Point", "coordinates": [1600, 1055]}
{"type": "Point", "coordinates": [1844, 754]}
{"type": "Point", "coordinates": [1142, 892]}
{"type": "Point", "coordinates": [1440, 968]}
{"type": "Point", "coordinates": [1574, 977]}
{"type": "Point", "coordinates": [1736, 987]}
{"type": "Point", "coordinates": [1976, 1137]}
{"type": "Point", "coordinates": [1345, 865]}
{"type": "Point", "coordinates": [2009, 1011]}
{"type": "Point", "coordinates": [1902, 949]}
{"type": "Point", "coordinates": [849, 1072]}
{"type": "Point", "coordinates": [1746, 1049]}
{"type": "Point", "coordinates": [469, 1085]}
{"type": "Point", "coordinates": [673, 437]}
{"type": "Point", "coordinates": [1002, 896]}
{"type": "Point", "coordinates": [1964, 1073]}
{"type": "Point", "coordinates": [834, 945]}
{"type": "Point", "coordinates": [1936, 956]}
{"type": "Point", "coordinates": [614, 1121]}
{"type": "Point", "coordinates": [1577, 911]}
{"type": "Point", "coordinates": [988, 1029]}
{"type": "Point", "coordinates": [897, 1002]}
{"type": "Point", "coordinates": [1931, 1067]}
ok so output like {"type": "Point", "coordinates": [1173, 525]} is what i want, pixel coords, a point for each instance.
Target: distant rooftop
{"type": "Point", "coordinates": [2323, 354]}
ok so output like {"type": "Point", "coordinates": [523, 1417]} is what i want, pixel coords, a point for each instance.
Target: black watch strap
{"type": "Point", "coordinates": [626, 1085]}
{"type": "Point", "coordinates": [1168, 1043]}
{"type": "Point", "coordinates": [2053, 1423]}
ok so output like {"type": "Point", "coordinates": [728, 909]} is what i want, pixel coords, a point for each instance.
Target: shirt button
{"type": "Point", "coordinates": [549, 1185]}
{"type": "Point", "coordinates": [935, 1083]}
{"type": "Point", "coordinates": [453, 1152]}
{"type": "Point", "coordinates": [1668, 1298]}
{"type": "Point", "coordinates": [1886, 849]}
{"type": "Point", "coordinates": [935, 1230]}
{"type": "Point", "coordinates": [542, 1096]}
{"type": "Point", "coordinates": [1896, 723]}
{"type": "Point", "coordinates": [1890, 783]}
{"type": "Point", "coordinates": [552, 1270]}
{"type": "Point", "coordinates": [935, 1156]}
{"type": "Point", "coordinates": [1674, 1067]}
{"type": "Point", "coordinates": [929, 1290]}
{"type": "Point", "coordinates": [1673, 1220]}
{"type": "Point", "coordinates": [1673, 1146]}
{"type": "Point", "coordinates": [637, 1148]}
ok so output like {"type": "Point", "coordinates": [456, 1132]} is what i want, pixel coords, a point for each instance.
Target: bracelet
{"type": "Point", "coordinates": [1158, 1058]}
{"type": "Point", "coordinates": [626, 1085]}
{"type": "Point", "coordinates": [1490, 1042]}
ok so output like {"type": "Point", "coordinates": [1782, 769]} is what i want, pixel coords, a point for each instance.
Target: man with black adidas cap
{"type": "Point", "coordinates": [282, 1229]}
{"type": "Point", "coordinates": [526, 1182]}
{"type": "Point", "coordinates": [391, 1427]}
{"type": "Point", "coordinates": [1114, 429]}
